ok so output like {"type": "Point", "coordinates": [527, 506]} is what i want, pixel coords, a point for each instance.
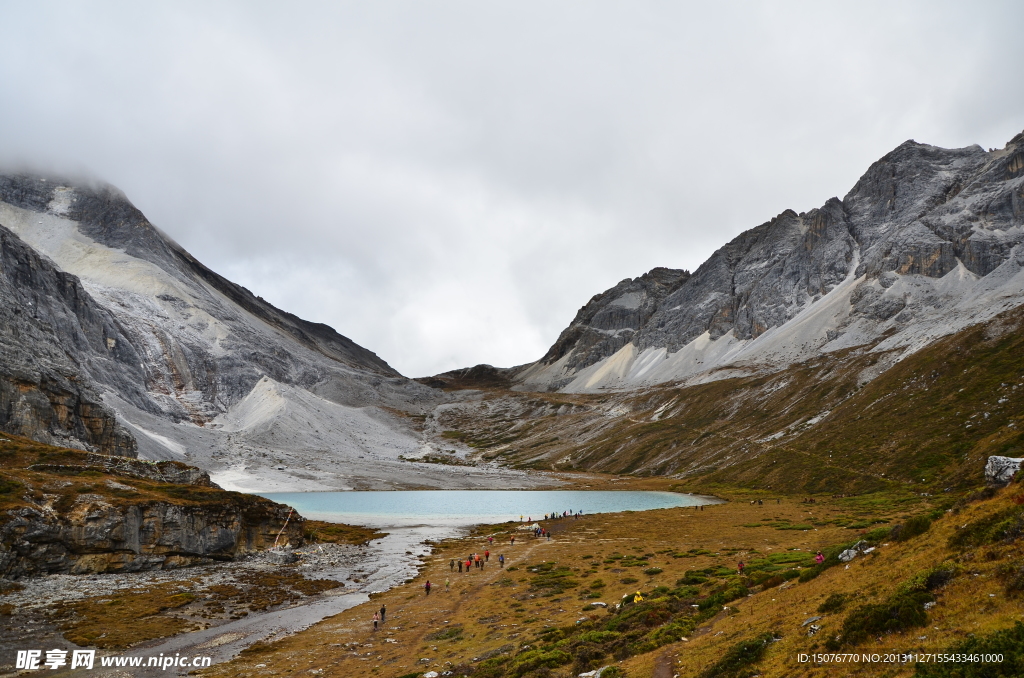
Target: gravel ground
{"type": "Point", "coordinates": [363, 569]}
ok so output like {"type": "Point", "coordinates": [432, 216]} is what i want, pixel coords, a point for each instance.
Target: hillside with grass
{"type": "Point", "coordinates": [852, 422]}
{"type": "Point", "coordinates": [662, 593]}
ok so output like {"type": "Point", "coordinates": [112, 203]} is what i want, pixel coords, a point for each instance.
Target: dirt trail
{"type": "Point", "coordinates": [664, 667]}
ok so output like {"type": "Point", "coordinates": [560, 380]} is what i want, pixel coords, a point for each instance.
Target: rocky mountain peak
{"type": "Point", "coordinates": [849, 272]}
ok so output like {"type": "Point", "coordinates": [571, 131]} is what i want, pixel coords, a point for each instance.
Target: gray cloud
{"type": "Point", "coordinates": [447, 183]}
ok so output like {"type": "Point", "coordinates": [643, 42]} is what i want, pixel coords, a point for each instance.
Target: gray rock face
{"type": "Point", "coordinates": [95, 536]}
{"type": "Point", "coordinates": [171, 472]}
{"type": "Point", "coordinates": [1000, 470]}
{"type": "Point", "coordinates": [610, 320]}
{"type": "Point", "coordinates": [920, 212]}
{"type": "Point", "coordinates": [53, 338]}
{"type": "Point", "coordinates": [106, 216]}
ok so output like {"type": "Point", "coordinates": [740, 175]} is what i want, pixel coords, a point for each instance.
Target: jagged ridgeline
{"type": "Point", "coordinates": [926, 243]}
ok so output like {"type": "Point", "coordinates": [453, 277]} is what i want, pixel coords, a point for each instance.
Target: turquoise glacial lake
{"type": "Point", "coordinates": [470, 507]}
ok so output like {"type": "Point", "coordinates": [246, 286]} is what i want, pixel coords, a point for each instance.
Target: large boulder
{"type": "Point", "coordinates": [1000, 470]}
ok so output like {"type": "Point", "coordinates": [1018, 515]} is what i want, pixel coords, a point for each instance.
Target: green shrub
{"type": "Point", "coordinates": [739, 658]}
{"type": "Point", "coordinates": [911, 528]}
{"type": "Point", "coordinates": [932, 578]}
{"type": "Point", "coordinates": [1012, 575]}
{"type": "Point", "coordinates": [535, 659]}
{"type": "Point", "coordinates": [651, 571]}
{"type": "Point", "coordinates": [811, 572]}
{"type": "Point", "coordinates": [453, 632]}
{"type": "Point", "coordinates": [902, 611]}
{"type": "Point", "coordinates": [834, 603]}
{"type": "Point", "coordinates": [599, 637]}
{"type": "Point", "coordinates": [877, 536]}
{"type": "Point", "coordinates": [691, 578]}
{"type": "Point", "coordinates": [1006, 526]}
{"type": "Point", "coordinates": [727, 595]}
{"type": "Point", "coordinates": [9, 486]}
{"type": "Point", "coordinates": [1008, 642]}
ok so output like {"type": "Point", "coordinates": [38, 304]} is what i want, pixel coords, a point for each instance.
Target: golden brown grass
{"type": "Point", "coordinates": [497, 611]}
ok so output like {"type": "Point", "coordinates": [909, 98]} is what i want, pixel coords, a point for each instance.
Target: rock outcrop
{"type": "Point", "coordinates": [97, 536]}
{"type": "Point", "coordinates": [1001, 470]}
{"type": "Point", "coordinates": [50, 329]}
{"type": "Point", "coordinates": [72, 512]}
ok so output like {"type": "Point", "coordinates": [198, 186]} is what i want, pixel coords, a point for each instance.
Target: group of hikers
{"type": "Point", "coordinates": [475, 560]}
{"type": "Point", "coordinates": [554, 515]}
{"type": "Point", "coordinates": [480, 560]}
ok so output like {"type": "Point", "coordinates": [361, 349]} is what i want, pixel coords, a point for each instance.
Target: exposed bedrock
{"type": "Point", "coordinates": [97, 536]}
{"type": "Point", "coordinates": [50, 327]}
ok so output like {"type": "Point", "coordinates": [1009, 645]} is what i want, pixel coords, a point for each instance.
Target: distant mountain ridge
{"type": "Point", "coordinates": [925, 243]}
{"type": "Point", "coordinates": [107, 216]}
{"type": "Point", "coordinates": [116, 339]}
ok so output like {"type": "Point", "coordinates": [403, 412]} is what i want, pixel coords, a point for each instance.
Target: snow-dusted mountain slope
{"type": "Point", "coordinates": [192, 366]}
{"type": "Point", "coordinates": [926, 243]}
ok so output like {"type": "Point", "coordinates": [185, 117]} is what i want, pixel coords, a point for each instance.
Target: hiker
{"type": "Point", "coordinates": [819, 559]}
{"type": "Point", "coordinates": [427, 587]}
{"type": "Point", "coordinates": [447, 585]}
{"type": "Point", "coordinates": [487, 555]}
{"type": "Point", "coordinates": [490, 540]}
{"type": "Point", "coordinates": [501, 560]}
{"type": "Point", "coordinates": [451, 565]}
{"type": "Point", "coordinates": [741, 566]}
{"type": "Point", "coordinates": [376, 618]}
{"type": "Point", "coordinates": [383, 613]}
{"type": "Point", "coordinates": [513, 543]}
{"type": "Point", "coordinates": [549, 536]}
{"type": "Point", "coordinates": [467, 567]}
{"type": "Point", "coordinates": [460, 564]}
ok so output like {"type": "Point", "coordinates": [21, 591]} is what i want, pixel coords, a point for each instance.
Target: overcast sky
{"type": "Point", "coordinates": [448, 182]}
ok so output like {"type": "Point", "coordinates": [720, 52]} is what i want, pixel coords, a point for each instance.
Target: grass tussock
{"type": "Point", "coordinates": [318, 531]}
